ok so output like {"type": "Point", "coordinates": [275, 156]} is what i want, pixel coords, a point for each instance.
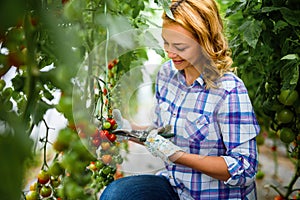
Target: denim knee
{"type": "Point", "coordinates": [144, 187]}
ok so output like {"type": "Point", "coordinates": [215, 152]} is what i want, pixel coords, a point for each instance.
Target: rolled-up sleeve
{"type": "Point", "coordinates": [239, 127]}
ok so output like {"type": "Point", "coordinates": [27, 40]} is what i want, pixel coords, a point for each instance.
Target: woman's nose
{"type": "Point", "coordinates": [171, 54]}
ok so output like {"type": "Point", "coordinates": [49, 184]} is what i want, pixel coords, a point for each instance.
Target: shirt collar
{"type": "Point", "coordinates": [181, 79]}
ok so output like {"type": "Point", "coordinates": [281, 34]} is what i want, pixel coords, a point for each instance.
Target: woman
{"type": "Point", "coordinates": [213, 154]}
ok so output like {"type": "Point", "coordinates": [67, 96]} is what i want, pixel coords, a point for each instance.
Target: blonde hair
{"type": "Point", "coordinates": [202, 19]}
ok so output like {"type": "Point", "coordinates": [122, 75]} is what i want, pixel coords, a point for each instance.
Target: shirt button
{"type": "Point", "coordinates": [174, 114]}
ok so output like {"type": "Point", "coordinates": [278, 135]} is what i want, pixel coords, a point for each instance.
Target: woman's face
{"type": "Point", "coordinates": [180, 46]}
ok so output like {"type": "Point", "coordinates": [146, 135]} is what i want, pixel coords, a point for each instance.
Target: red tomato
{"type": "Point", "coordinates": [104, 134]}
{"type": "Point", "coordinates": [111, 121]}
{"type": "Point", "coordinates": [93, 166]}
{"type": "Point", "coordinates": [110, 66]}
{"type": "Point", "coordinates": [104, 91]}
{"type": "Point", "coordinates": [96, 134]}
{"type": "Point", "coordinates": [112, 137]}
{"type": "Point", "coordinates": [96, 142]}
{"type": "Point", "coordinates": [64, 1]}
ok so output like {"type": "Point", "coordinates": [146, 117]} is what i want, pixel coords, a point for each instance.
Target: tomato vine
{"type": "Point", "coordinates": [265, 47]}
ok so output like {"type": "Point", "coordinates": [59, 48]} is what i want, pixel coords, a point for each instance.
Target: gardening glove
{"type": "Point", "coordinates": [122, 123]}
{"type": "Point", "coordinates": [161, 147]}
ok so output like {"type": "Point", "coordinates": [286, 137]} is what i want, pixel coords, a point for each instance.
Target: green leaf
{"type": "Point", "coordinates": [279, 25]}
{"type": "Point", "coordinates": [290, 57]}
{"type": "Point", "coordinates": [40, 109]}
{"type": "Point", "coordinates": [165, 4]}
{"type": "Point", "coordinates": [251, 31]}
{"type": "Point", "coordinates": [290, 74]}
{"type": "Point", "coordinates": [269, 9]}
{"type": "Point", "coordinates": [234, 8]}
{"type": "Point", "coordinates": [291, 16]}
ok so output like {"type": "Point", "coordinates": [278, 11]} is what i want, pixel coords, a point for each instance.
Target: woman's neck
{"type": "Point", "coordinates": [191, 74]}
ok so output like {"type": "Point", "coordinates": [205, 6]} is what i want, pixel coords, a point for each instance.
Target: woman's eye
{"type": "Point", "coordinates": [181, 49]}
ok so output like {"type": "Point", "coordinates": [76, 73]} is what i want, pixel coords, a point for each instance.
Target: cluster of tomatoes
{"type": "Point", "coordinates": [47, 184]}
{"type": "Point", "coordinates": [287, 116]}
{"type": "Point", "coordinates": [112, 72]}
{"type": "Point", "coordinates": [102, 174]}
{"type": "Point", "coordinates": [104, 134]}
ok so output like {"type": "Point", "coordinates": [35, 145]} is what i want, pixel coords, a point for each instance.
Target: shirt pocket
{"type": "Point", "coordinates": [196, 126]}
{"type": "Point", "coordinates": [165, 113]}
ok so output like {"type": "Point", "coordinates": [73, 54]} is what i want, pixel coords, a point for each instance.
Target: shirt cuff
{"type": "Point", "coordinates": [236, 169]}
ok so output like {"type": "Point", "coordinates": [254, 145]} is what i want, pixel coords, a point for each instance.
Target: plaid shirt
{"type": "Point", "coordinates": [214, 122]}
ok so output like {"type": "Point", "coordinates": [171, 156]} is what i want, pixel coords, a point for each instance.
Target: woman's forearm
{"type": "Point", "coordinates": [213, 166]}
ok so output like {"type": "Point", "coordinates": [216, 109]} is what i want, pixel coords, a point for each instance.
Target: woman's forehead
{"type": "Point", "coordinates": [176, 32]}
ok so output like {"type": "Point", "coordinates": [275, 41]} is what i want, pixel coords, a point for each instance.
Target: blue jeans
{"type": "Point", "coordinates": [140, 187]}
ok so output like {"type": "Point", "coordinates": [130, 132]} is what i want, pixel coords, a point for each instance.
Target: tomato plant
{"type": "Point", "coordinates": [265, 48]}
{"type": "Point", "coordinates": [45, 43]}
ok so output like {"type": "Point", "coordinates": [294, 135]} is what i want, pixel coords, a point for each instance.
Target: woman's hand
{"type": "Point", "coordinates": [161, 147]}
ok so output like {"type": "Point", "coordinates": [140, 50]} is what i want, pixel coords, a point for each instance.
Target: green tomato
{"type": "Point", "coordinates": [284, 116]}
{"type": "Point", "coordinates": [260, 174]}
{"type": "Point", "coordinates": [288, 97]}
{"type": "Point", "coordinates": [106, 125]}
{"type": "Point", "coordinates": [45, 191]}
{"type": "Point", "coordinates": [55, 182]}
{"type": "Point", "coordinates": [32, 195]}
{"type": "Point", "coordinates": [286, 135]}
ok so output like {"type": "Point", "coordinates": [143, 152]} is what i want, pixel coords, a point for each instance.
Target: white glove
{"type": "Point", "coordinates": [122, 123]}
{"type": "Point", "coordinates": [161, 147]}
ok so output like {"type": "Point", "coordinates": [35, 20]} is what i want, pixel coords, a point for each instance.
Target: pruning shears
{"type": "Point", "coordinates": [141, 135]}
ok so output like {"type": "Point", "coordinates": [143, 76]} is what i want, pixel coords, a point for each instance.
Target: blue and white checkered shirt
{"type": "Point", "coordinates": [213, 122]}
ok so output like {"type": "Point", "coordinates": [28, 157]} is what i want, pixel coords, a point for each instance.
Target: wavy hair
{"type": "Point", "coordinates": [203, 20]}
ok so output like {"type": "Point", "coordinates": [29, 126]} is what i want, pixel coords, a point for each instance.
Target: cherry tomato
{"type": "Point", "coordinates": [45, 191]}
{"type": "Point", "coordinates": [96, 134]}
{"type": "Point", "coordinates": [112, 121]}
{"type": "Point", "coordinates": [99, 164]}
{"type": "Point", "coordinates": [104, 91]}
{"type": "Point", "coordinates": [110, 66]}
{"type": "Point", "coordinates": [33, 186]}
{"type": "Point", "coordinates": [96, 142]}
{"type": "Point", "coordinates": [105, 145]}
{"type": "Point", "coordinates": [55, 182]}
{"type": "Point", "coordinates": [112, 137]}
{"type": "Point", "coordinates": [106, 125]}
{"type": "Point", "coordinates": [32, 195]}
{"type": "Point", "coordinates": [106, 158]}
{"type": "Point", "coordinates": [93, 166]}
{"type": "Point", "coordinates": [115, 61]}
{"type": "Point", "coordinates": [104, 134]}
{"type": "Point", "coordinates": [43, 177]}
